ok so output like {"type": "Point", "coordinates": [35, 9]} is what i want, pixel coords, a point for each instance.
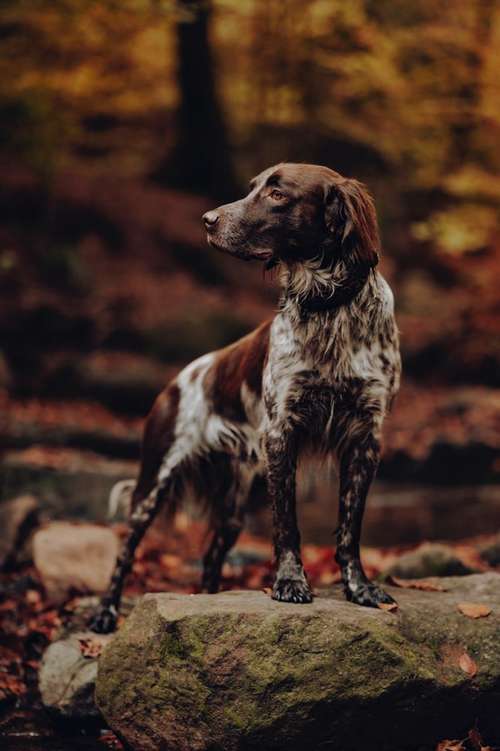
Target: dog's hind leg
{"type": "Point", "coordinates": [104, 619]}
{"type": "Point", "coordinates": [157, 481]}
{"type": "Point", "coordinates": [228, 525]}
{"type": "Point", "coordinates": [358, 464]}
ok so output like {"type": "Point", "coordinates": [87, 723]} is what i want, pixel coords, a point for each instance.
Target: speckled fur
{"type": "Point", "coordinates": [323, 382]}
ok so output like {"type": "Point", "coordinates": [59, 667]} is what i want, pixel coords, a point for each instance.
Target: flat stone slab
{"type": "Point", "coordinates": [74, 557]}
{"type": "Point", "coordinates": [67, 676]}
{"type": "Point", "coordinates": [240, 671]}
{"type": "Point", "coordinates": [68, 670]}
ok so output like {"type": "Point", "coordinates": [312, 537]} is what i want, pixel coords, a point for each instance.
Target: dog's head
{"type": "Point", "coordinates": [296, 212]}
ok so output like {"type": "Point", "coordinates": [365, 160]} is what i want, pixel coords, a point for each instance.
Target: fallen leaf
{"type": "Point", "coordinates": [170, 561]}
{"type": "Point", "coordinates": [467, 664]}
{"type": "Point", "coordinates": [267, 590]}
{"type": "Point", "coordinates": [476, 741]}
{"type": "Point", "coordinates": [426, 585]}
{"type": "Point", "coordinates": [450, 746]}
{"type": "Point", "coordinates": [92, 646]}
{"type": "Point", "coordinates": [390, 607]}
{"type": "Point", "coordinates": [474, 609]}
{"type": "Point", "coordinates": [33, 597]}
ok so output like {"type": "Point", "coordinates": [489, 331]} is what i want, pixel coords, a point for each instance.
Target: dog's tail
{"type": "Point", "coordinates": [120, 498]}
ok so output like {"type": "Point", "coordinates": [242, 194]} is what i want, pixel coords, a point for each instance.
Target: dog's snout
{"type": "Point", "coordinates": [210, 219]}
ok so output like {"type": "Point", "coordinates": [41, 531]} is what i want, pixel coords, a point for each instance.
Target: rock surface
{"type": "Point", "coordinates": [429, 559]}
{"type": "Point", "coordinates": [68, 670]}
{"type": "Point", "coordinates": [67, 675]}
{"type": "Point", "coordinates": [74, 557]}
{"type": "Point", "coordinates": [240, 671]}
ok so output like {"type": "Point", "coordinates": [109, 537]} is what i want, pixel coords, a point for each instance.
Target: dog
{"type": "Point", "coordinates": [319, 377]}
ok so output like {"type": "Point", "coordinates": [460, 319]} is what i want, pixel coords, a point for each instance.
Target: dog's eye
{"type": "Point", "coordinates": [277, 195]}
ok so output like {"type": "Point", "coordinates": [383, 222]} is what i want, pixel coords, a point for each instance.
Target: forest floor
{"type": "Point", "coordinates": [164, 562]}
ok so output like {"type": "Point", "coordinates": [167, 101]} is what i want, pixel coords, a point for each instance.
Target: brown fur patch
{"type": "Point", "coordinates": [158, 436]}
{"type": "Point", "coordinates": [239, 363]}
{"type": "Point", "coordinates": [194, 374]}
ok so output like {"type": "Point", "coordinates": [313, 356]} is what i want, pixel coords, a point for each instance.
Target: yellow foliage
{"type": "Point", "coordinates": [459, 230]}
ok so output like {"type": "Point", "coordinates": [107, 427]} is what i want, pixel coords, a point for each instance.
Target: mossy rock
{"type": "Point", "coordinates": [240, 671]}
{"type": "Point", "coordinates": [491, 552]}
{"type": "Point", "coordinates": [429, 559]}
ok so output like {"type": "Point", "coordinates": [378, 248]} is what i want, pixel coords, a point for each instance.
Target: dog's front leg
{"type": "Point", "coordinates": [358, 464]}
{"type": "Point", "coordinates": [281, 457]}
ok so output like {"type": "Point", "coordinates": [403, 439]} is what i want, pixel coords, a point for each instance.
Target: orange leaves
{"type": "Point", "coordinates": [390, 607]}
{"type": "Point", "coordinates": [92, 646]}
{"type": "Point", "coordinates": [474, 609]}
{"type": "Point", "coordinates": [425, 585]}
{"type": "Point", "coordinates": [473, 742]}
{"type": "Point", "coordinates": [11, 684]}
{"type": "Point", "coordinates": [467, 664]}
{"type": "Point", "coordinates": [450, 746]}
{"type": "Point", "coordinates": [476, 741]}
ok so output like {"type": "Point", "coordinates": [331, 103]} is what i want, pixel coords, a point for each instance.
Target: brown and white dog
{"type": "Point", "coordinates": [319, 377]}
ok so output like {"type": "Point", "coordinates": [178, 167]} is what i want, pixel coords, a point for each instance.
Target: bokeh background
{"type": "Point", "coordinates": [121, 122]}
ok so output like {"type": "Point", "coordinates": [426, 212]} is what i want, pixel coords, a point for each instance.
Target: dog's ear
{"type": "Point", "coordinates": [351, 218]}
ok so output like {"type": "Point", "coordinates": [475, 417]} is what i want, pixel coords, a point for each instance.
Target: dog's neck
{"type": "Point", "coordinates": [312, 287]}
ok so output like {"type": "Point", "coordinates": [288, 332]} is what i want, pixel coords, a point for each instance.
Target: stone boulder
{"type": "Point", "coordinates": [239, 671]}
{"type": "Point", "coordinates": [491, 552]}
{"type": "Point", "coordinates": [68, 673]}
{"type": "Point", "coordinates": [68, 670]}
{"type": "Point", "coordinates": [429, 559]}
{"type": "Point", "coordinates": [74, 558]}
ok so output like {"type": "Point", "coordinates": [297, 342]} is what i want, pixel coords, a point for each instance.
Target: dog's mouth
{"type": "Point", "coordinates": [246, 255]}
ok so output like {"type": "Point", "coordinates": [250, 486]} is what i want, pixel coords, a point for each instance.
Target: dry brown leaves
{"type": "Point", "coordinates": [474, 609]}
{"type": "Point", "coordinates": [92, 646]}
{"type": "Point", "coordinates": [467, 664]}
{"type": "Point", "coordinates": [425, 585]}
{"type": "Point", "coordinates": [390, 607]}
{"type": "Point", "coordinates": [476, 741]}
{"type": "Point", "coordinates": [473, 742]}
{"type": "Point", "coordinates": [450, 746]}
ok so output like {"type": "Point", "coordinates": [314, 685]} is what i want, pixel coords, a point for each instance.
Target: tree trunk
{"type": "Point", "coordinates": [201, 160]}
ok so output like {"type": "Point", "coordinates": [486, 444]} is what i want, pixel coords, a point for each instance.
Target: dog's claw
{"type": "Point", "coordinates": [369, 595]}
{"type": "Point", "coordinates": [292, 590]}
{"type": "Point", "coordinates": [104, 620]}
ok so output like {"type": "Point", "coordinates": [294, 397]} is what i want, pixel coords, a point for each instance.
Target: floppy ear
{"type": "Point", "coordinates": [351, 217]}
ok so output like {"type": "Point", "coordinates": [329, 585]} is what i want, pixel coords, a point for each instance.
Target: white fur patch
{"type": "Point", "coordinates": [120, 498]}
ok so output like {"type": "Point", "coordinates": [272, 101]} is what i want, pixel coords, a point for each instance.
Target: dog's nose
{"type": "Point", "coordinates": [210, 219]}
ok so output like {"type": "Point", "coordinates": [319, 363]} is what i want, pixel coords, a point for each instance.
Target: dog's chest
{"type": "Point", "coordinates": [310, 366]}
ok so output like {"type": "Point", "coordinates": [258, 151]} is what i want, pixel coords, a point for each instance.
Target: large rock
{"type": "Point", "coordinates": [240, 671]}
{"type": "Point", "coordinates": [429, 559]}
{"type": "Point", "coordinates": [74, 558]}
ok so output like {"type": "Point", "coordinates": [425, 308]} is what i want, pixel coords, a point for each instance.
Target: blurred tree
{"type": "Point", "coordinates": [201, 159]}
{"type": "Point", "coordinates": [403, 95]}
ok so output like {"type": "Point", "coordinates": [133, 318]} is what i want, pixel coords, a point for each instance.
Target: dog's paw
{"type": "Point", "coordinates": [369, 595]}
{"type": "Point", "coordinates": [292, 590]}
{"type": "Point", "coordinates": [104, 620]}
